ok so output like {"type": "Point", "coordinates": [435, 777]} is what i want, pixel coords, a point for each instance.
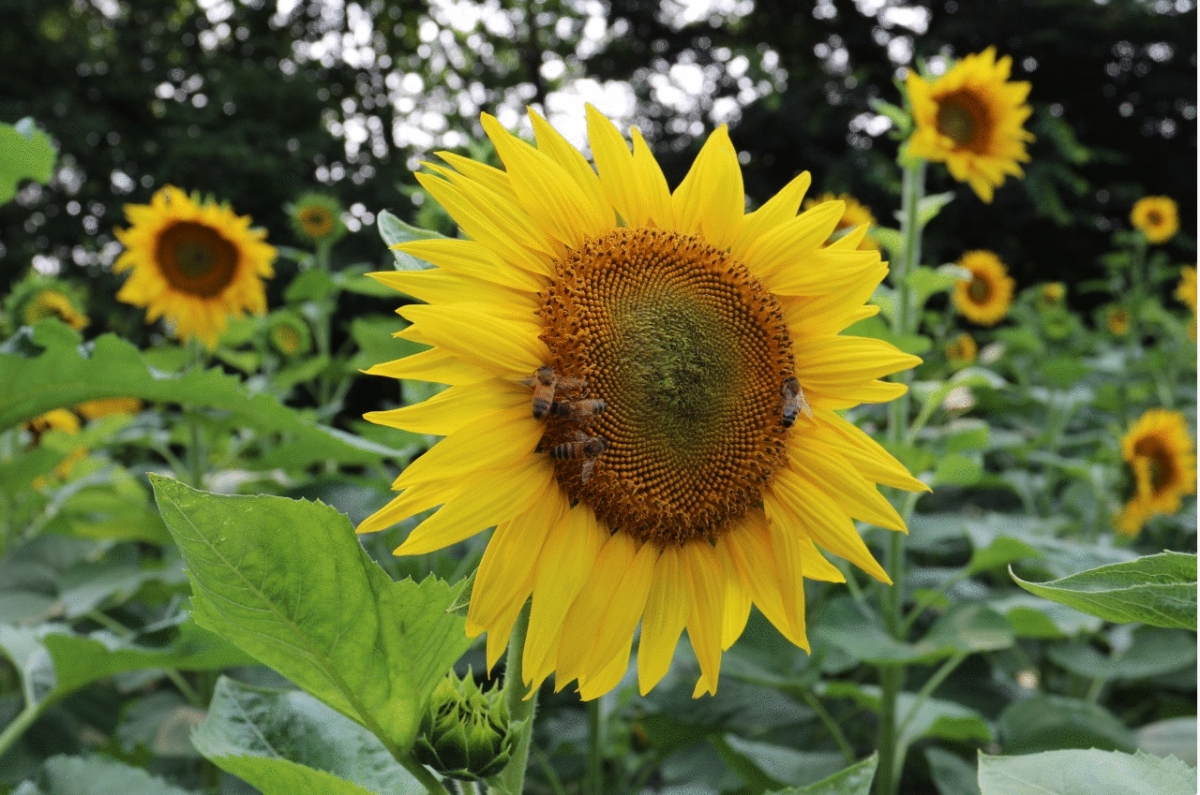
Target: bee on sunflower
{"type": "Point", "coordinates": [194, 263]}
{"type": "Point", "coordinates": [971, 118]}
{"type": "Point", "coordinates": [1156, 217]}
{"type": "Point", "coordinates": [987, 296]}
{"type": "Point", "coordinates": [1161, 456]}
{"type": "Point", "coordinates": [702, 330]}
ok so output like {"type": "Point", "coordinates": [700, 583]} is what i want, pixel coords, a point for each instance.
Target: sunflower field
{"type": "Point", "coordinates": [591, 397]}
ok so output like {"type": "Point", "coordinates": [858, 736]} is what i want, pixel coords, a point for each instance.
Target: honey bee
{"type": "Point", "coordinates": [793, 402]}
{"type": "Point", "coordinates": [589, 448]}
{"type": "Point", "coordinates": [544, 381]}
{"type": "Point", "coordinates": [578, 410]}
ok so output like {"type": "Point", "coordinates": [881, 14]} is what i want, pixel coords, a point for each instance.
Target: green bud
{"type": "Point", "coordinates": [465, 732]}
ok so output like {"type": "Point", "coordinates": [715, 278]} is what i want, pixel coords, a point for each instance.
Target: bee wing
{"type": "Point", "coordinates": [589, 465]}
{"type": "Point", "coordinates": [571, 383]}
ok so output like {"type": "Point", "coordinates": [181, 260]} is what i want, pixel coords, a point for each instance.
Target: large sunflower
{"type": "Point", "coordinates": [986, 297]}
{"type": "Point", "coordinates": [1161, 457]}
{"type": "Point", "coordinates": [971, 119]}
{"type": "Point", "coordinates": [1157, 217]}
{"type": "Point", "coordinates": [710, 479]}
{"type": "Point", "coordinates": [194, 263]}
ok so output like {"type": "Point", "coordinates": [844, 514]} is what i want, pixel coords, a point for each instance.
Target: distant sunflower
{"type": "Point", "coordinates": [1161, 456]}
{"type": "Point", "coordinates": [317, 217]}
{"type": "Point", "coordinates": [1051, 296]}
{"type": "Point", "coordinates": [289, 334]}
{"type": "Point", "coordinates": [854, 216]}
{"type": "Point", "coordinates": [108, 407]}
{"type": "Point", "coordinates": [194, 263]}
{"type": "Point", "coordinates": [985, 298]}
{"type": "Point", "coordinates": [36, 298]}
{"type": "Point", "coordinates": [704, 486]}
{"type": "Point", "coordinates": [1157, 217]}
{"type": "Point", "coordinates": [63, 421]}
{"type": "Point", "coordinates": [971, 119]}
{"type": "Point", "coordinates": [1185, 291]}
{"type": "Point", "coordinates": [1117, 319]}
{"type": "Point", "coordinates": [961, 350]}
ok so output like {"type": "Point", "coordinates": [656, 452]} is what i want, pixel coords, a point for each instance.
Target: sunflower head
{"type": "Point", "coordinates": [986, 297]}
{"type": "Point", "coordinates": [289, 334]}
{"type": "Point", "coordinates": [1185, 291]}
{"type": "Point", "coordinates": [961, 350]}
{"type": "Point", "coordinates": [1051, 296]}
{"type": "Point", "coordinates": [1117, 319]}
{"type": "Point", "coordinates": [108, 407]}
{"type": "Point", "coordinates": [1161, 458]}
{"type": "Point", "coordinates": [317, 218]}
{"type": "Point", "coordinates": [37, 297]}
{"type": "Point", "coordinates": [855, 215]}
{"type": "Point", "coordinates": [971, 118]}
{"type": "Point", "coordinates": [1157, 217]}
{"type": "Point", "coordinates": [54, 420]}
{"type": "Point", "coordinates": [643, 386]}
{"type": "Point", "coordinates": [194, 263]}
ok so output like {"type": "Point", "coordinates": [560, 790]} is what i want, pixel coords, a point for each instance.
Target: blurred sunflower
{"type": "Point", "coordinates": [693, 494]}
{"type": "Point", "coordinates": [855, 215]}
{"type": "Point", "coordinates": [961, 350]}
{"type": "Point", "coordinates": [1051, 296]}
{"type": "Point", "coordinates": [194, 263]}
{"type": "Point", "coordinates": [971, 119]}
{"type": "Point", "coordinates": [289, 334]}
{"type": "Point", "coordinates": [1157, 217]}
{"type": "Point", "coordinates": [986, 297]}
{"type": "Point", "coordinates": [108, 407]}
{"type": "Point", "coordinates": [1161, 457]}
{"type": "Point", "coordinates": [1185, 292]}
{"type": "Point", "coordinates": [36, 298]}
{"type": "Point", "coordinates": [63, 421]}
{"type": "Point", "coordinates": [1117, 319]}
{"type": "Point", "coordinates": [317, 217]}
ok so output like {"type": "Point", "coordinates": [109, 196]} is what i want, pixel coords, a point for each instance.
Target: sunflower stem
{"type": "Point", "coordinates": [195, 449]}
{"type": "Point", "coordinates": [521, 708]}
{"type": "Point", "coordinates": [592, 782]}
{"type": "Point", "coordinates": [23, 721]}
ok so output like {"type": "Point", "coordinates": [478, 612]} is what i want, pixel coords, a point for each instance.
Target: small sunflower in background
{"type": "Point", "coordinates": [64, 421]}
{"type": "Point", "coordinates": [712, 339]}
{"type": "Point", "coordinates": [194, 263]}
{"type": "Point", "coordinates": [855, 215]}
{"type": "Point", "coordinates": [1185, 292]}
{"type": "Point", "coordinates": [1051, 296]}
{"type": "Point", "coordinates": [288, 334]}
{"type": "Point", "coordinates": [986, 297]}
{"type": "Point", "coordinates": [961, 350]}
{"type": "Point", "coordinates": [1118, 319]}
{"type": "Point", "coordinates": [37, 297]}
{"type": "Point", "coordinates": [108, 407]}
{"type": "Point", "coordinates": [1157, 217]}
{"type": "Point", "coordinates": [971, 118]}
{"type": "Point", "coordinates": [1161, 457]}
{"type": "Point", "coordinates": [317, 218]}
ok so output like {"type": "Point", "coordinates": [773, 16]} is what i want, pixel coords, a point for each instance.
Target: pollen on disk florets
{"type": "Point", "coordinates": [688, 351]}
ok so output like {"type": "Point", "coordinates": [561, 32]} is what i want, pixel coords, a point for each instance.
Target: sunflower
{"type": "Point", "coordinates": [971, 119]}
{"type": "Point", "coordinates": [36, 298]}
{"type": "Point", "coordinates": [289, 334]}
{"type": "Point", "coordinates": [317, 217]}
{"type": "Point", "coordinates": [1161, 456]}
{"type": "Point", "coordinates": [1117, 319]}
{"type": "Point", "coordinates": [1051, 296]}
{"type": "Point", "coordinates": [195, 263]}
{"type": "Point", "coordinates": [985, 298]}
{"type": "Point", "coordinates": [1185, 291]}
{"type": "Point", "coordinates": [1157, 217]}
{"type": "Point", "coordinates": [711, 340]}
{"type": "Point", "coordinates": [961, 350]}
{"type": "Point", "coordinates": [108, 407]}
{"type": "Point", "coordinates": [63, 421]}
{"type": "Point", "coordinates": [855, 215]}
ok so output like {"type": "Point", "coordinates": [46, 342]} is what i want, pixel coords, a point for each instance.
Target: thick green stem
{"type": "Point", "coordinates": [887, 776]}
{"type": "Point", "coordinates": [15, 729]}
{"type": "Point", "coordinates": [432, 784]}
{"type": "Point", "coordinates": [593, 783]}
{"type": "Point", "coordinates": [521, 709]}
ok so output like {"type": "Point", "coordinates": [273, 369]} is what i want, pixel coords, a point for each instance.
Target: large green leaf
{"type": "Point", "coordinates": [768, 766]}
{"type": "Point", "coordinates": [1047, 722]}
{"type": "Point", "coordinates": [95, 775]}
{"type": "Point", "coordinates": [1151, 652]}
{"type": "Point", "coordinates": [1159, 590]}
{"type": "Point", "coordinates": [1088, 772]}
{"type": "Point", "coordinates": [962, 628]}
{"type": "Point", "coordinates": [951, 774]}
{"type": "Point", "coordinates": [64, 373]}
{"type": "Point", "coordinates": [854, 780]}
{"type": "Point", "coordinates": [287, 742]}
{"type": "Point", "coordinates": [25, 153]}
{"type": "Point", "coordinates": [934, 717]}
{"type": "Point", "coordinates": [288, 582]}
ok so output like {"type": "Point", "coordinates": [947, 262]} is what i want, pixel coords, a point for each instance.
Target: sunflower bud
{"type": "Point", "coordinates": [465, 732]}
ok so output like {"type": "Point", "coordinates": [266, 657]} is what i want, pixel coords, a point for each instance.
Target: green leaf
{"type": "Point", "coordinates": [1170, 737]}
{"type": "Point", "coordinates": [890, 239]}
{"type": "Point", "coordinates": [66, 374]}
{"type": "Point", "coordinates": [310, 285]}
{"type": "Point", "coordinates": [1089, 772]}
{"type": "Point", "coordinates": [765, 765]}
{"type": "Point", "coordinates": [288, 582]}
{"type": "Point", "coordinates": [1045, 722]}
{"type": "Point", "coordinates": [287, 742]}
{"type": "Point", "coordinates": [1036, 618]}
{"type": "Point", "coordinates": [25, 153]}
{"type": "Point", "coordinates": [927, 282]}
{"type": "Point", "coordinates": [1001, 552]}
{"type": "Point", "coordinates": [854, 780]}
{"type": "Point", "coordinates": [935, 717]}
{"type": "Point", "coordinates": [1159, 590]}
{"type": "Point", "coordinates": [95, 775]}
{"type": "Point", "coordinates": [1151, 652]}
{"type": "Point", "coordinates": [957, 469]}
{"type": "Point", "coordinates": [931, 205]}
{"type": "Point", "coordinates": [394, 232]}
{"type": "Point", "coordinates": [952, 775]}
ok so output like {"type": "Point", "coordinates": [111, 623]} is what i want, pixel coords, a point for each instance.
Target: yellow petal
{"type": "Point", "coordinates": [836, 363]}
{"type": "Point", "coordinates": [410, 503]}
{"type": "Point", "coordinates": [667, 609]}
{"type": "Point", "coordinates": [737, 611]}
{"type": "Point", "coordinates": [490, 177]}
{"type": "Point", "coordinates": [492, 441]}
{"type": "Point", "coordinates": [711, 200]}
{"type": "Point", "coordinates": [706, 577]}
{"type": "Point", "coordinates": [573, 162]}
{"type": "Point", "coordinates": [451, 409]}
{"type": "Point", "coordinates": [619, 177]}
{"type": "Point", "coordinates": [788, 245]}
{"type": "Point", "coordinates": [609, 674]}
{"type": "Point", "coordinates": [824, 271]}
{"type": "Point", "coordinates": [651, 183]}
{"type": "Point", "coordinates": [436, 287]}
{"type": "Point", "coordinates": [468, 258]}
{"type": "Point", "coordinates": [434, 365]}
{"type": "Point", "coordinates": [779, 209]}
{"type": "Point", "coordinates": [509, 216]}
{"type": "Point", "coordinates": [822, 464]}
{"type": "Point", "coordinates": [498, 345]}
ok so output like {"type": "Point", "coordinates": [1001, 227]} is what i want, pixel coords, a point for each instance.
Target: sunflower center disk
{"type": "Point", "coordinates": [979, 290]}
{"type": "Point", "coordinates": [962, 118]}
{"type": "Point", "coordinates": [196, 259]}
{"type": "Point", "coordinates": [1162, 470]}
{"type": "Point", "coordinates": [688, 350]}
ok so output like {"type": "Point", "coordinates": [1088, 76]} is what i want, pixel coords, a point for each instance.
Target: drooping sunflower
{"type": "Point", "coordinates": [1157, 217]}
{"type": "Point", "coordinates": [961, 350]}
{"type": "Point", "coordinates": [855, 215]}
{"type": "Point", "coordinates": [37, 297]}
{"type": "Point", "coordinates": [194, 262]}
{"type": "Point", "coordinates": [971, 119]}
{"type": "Point", "coordinates": [317, 217]}
{"type": "Point", "coordinates": [1118, 319]}
{"type": "Point", "coordinates": [1161, 456]}
{"type": "Point", "coordinates": [708, 334]}
{"type": "Point", "coordinates": [986, 297]}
